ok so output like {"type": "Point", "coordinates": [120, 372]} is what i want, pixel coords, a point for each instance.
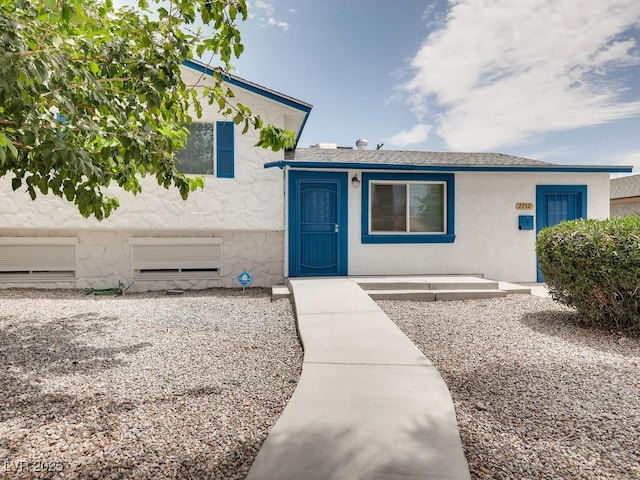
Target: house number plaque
{"type": "Point", "coordinates": [524, 206]}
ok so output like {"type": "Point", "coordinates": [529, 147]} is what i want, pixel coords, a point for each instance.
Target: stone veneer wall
{"type": "Point", "coordinates": [103, 259]}
{"type": "Point", "coordinates": [625, 206]}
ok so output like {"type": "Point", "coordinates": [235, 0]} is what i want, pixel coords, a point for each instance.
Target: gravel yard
{"type": "Point", "coordinates": [537, 396]}
{"type": "Point", "coordinates": [143, 386]}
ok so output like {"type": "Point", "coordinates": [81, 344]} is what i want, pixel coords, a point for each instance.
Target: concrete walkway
{"type": "Point", "coordinates": [369, 404]}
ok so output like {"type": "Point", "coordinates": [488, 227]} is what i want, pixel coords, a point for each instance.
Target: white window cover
{"type": "Point", "coordinates": [37, 258]}
{"type": "Point", "coordinates": [176, 258]}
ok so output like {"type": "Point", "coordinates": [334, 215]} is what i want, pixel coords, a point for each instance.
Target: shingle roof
{"type": "Point", "coordinates": [625, 187]}
{"type": "Point", "coordinates": [401, 157]}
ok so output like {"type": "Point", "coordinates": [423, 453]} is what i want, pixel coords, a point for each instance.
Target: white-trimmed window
{"type": "Point", "coordinates": [408, 207]}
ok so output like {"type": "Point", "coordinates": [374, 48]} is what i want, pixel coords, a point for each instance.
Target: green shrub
{"type": "Point", "coordinates": [594, 266]}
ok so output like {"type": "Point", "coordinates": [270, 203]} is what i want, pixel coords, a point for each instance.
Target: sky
{"type": "Point", "coordinates": [553, 80]}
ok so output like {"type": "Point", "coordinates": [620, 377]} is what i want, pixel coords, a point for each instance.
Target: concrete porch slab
{"type": "Point", "coordinates": [538, 289]}
{"type": "Point", "coordinates": [469, 294]}
{"type": "Point", "coordinates": [399, 294]}
{"type": "Point", "coordinates": [512, 288]}
{"type": "Point", "coordinates": [424, 282]}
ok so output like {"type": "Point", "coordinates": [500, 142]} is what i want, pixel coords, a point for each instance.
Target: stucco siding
{"type": "Point", "coordinates": [246, 212]}
{"type": "Point", "coordinates": [487, 241]}
{"type": "Point", "coordinates": [103, 258]}
{"type": "Point", "coordinates": [251, 200]}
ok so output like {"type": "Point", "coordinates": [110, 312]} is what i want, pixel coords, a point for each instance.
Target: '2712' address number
{"type": "Point", "coordinates": [524, 206]}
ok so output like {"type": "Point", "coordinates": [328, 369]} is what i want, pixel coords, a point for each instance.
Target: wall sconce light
{"type": "Point", "coordinates": [355, 181]}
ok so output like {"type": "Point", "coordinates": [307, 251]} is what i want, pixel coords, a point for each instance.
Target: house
{"type": "Point", "coordinates": [156, 240]}
{"type": "Point", "coordinates": [310, 212]}
{"type": "Point", "coordinates": [625, 196]}
{"type": "Point", "coordinates": [377, 212]}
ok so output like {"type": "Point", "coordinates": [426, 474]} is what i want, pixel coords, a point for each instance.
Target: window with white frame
{"type": "Point", "coordinates": [407, 208]}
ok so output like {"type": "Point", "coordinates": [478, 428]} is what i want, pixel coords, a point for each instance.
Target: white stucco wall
{"type": "Point", "coordinates": [247, 212]}
{"type": "Point", "coordinates": [488, 240]}
{"type": "Point", "coordinates": [252, 200]}
{"type": "Point", "coordinates": [103, 258]}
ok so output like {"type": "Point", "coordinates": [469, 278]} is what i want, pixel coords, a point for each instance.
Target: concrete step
{"type": "Point", "coordinates": [280, 291]}
{"type": "Point", "coordinates": [469, 294]}
{"type": "Point", "coordinates": [425, 283]}
{"type": "Point", "coordinates": [514, 288]}
{"type": "Point", "coordinates": [438, 294]}
{"type": "Point", "coordinates": [399, 294]}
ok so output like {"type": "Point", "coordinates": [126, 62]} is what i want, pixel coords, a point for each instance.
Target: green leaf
{"type": "Point", "coordinates": [117, 78]}
{"type": "Point", "coordinates": [67, 12]}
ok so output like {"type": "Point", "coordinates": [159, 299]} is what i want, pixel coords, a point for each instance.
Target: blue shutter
{"type": "Point", "coordinates": [62, 119]}
{"type": "Point", "coordinates": [224, 150]}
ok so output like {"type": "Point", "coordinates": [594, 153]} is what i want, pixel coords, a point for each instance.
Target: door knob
{"type": "Point", "coordinates": [337, 229]}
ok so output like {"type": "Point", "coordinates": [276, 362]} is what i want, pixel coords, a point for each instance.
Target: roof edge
{"type": "Point", "coordinates": [258, 89]}
{"type": "Point", "coordinates": [252, 87]}
{"type": "Point", "coordinates": [449, 168]}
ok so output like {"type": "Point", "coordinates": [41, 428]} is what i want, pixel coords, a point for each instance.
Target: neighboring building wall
{"type": "Point", "coordinates": [621, 207]}
{"type": "Point", "coordinates": [488, 240]}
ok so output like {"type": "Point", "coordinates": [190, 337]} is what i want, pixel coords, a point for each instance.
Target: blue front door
{"type": "Point", "coordinates": [317, 224]}
{"type": "Point", "coordinates": [557, 203]}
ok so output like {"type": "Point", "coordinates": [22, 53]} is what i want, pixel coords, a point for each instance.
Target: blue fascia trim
{"type": "Point", "coordinates": [448, 237]}
{"type": "Point", "coordinates": [408, 238]}
{"type": "Point", "coordinates": [290, 102]}
{"type": "Point", "coordinates": [302, 125]}
{"type": "Point", "coordinates": [447, 168]}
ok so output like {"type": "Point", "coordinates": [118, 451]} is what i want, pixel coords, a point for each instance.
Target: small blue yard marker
{"type": "Point", "coordinates": [244, 279]}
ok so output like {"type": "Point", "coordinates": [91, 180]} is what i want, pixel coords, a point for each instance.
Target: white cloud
{"type": "Point", "coordinates": [502, 72]}
{"type": "Point", "coordinates": [275, 23]}
{"type": "Point", "coordinates": [267, 7]}
{"type": "Point", "coordinates": [417, 134]}
{"type": "Point", "coordinates": [265, 12]}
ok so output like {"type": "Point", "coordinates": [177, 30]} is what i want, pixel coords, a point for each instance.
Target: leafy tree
{"type": "Point", "coordinates": [91, 94]}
